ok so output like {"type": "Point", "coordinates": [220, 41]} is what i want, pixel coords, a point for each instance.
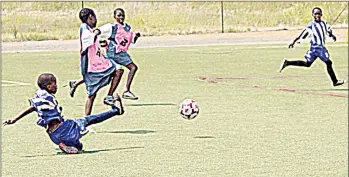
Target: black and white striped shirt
{"type": "Point", "coordinates": [317, 31]}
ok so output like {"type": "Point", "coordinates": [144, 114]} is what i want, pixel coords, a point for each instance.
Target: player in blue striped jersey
{"type": "Point", "coordinates": [317, 30]}
{"type": "Point", "coordinates": [65, 133]}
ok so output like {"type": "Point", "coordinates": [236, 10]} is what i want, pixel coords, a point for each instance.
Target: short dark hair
{"type": "Point", "coordinates": [318, 8]}
{"type": "Point", "coordinates": [122, 10]}
{"type": "Point", "coordinates": [45, 79]}
{"type": "Point", "coordinates": [84, 13]}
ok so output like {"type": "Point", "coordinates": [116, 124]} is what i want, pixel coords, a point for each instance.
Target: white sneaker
{"type": "Point", "coordinates": [129, 95]}
{"type": "Point", "coordinates": [109, 100]}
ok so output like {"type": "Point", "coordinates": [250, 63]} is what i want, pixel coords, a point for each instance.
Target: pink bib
{"type": "Point", "coordinates": [123, 39]}
{"type": "Point", "coordinates": [96, 61]}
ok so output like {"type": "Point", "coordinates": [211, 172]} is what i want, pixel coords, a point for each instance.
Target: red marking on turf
{"type": "Point", "coordinates": [215, 81]}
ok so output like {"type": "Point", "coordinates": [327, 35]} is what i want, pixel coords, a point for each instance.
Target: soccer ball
{"type": "Point", "coordinates": [189, 109]}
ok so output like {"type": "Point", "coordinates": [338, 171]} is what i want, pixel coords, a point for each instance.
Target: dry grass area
{"type": "Point", "coordinates": [24, 21]}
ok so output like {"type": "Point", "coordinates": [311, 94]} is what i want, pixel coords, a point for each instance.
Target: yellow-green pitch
{"type": "Point", "coordinates": [240, 131]}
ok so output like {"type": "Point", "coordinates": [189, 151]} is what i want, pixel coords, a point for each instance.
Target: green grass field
{"type": "Point", "coordinates": [240, 131]}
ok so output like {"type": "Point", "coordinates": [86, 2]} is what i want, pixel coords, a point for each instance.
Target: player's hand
{"type": "Point", "coordinates": [136, 37]}
{"type": "Point", "coordinates": [334, 38]}
{"type": "Point", "coordinates": [8, 122]}
{"type": "Point", "coordinates": [291, 45]}
{"type": "Point", "coordinates": [97, 31]}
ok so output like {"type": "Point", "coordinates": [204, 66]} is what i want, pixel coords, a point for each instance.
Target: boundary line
{"type": "Point", "coordinates": [6, 83]}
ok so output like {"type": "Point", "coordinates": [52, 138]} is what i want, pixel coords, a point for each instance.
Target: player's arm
{"type": "Point", "coordinates": [305, 33]}
{"type": "Point", "coordinates": [21, 115]}
{"type": "Point", "coordinates": [330, 32]}
{"type": "Point", "coordinates": [87, 38]}
{"type": "Point", "coordinates": [105, 31]}
{"type": "Point", "coordinates": [137, 35]}
{"type": "Point", "coordinates": [333, 36]}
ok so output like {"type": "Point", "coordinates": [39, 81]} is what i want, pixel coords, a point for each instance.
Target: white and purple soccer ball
{"type": "Point", "coordinates": [189, 109]}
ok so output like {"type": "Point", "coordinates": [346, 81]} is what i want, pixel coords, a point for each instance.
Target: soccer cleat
{"type": "Point", "coordinates": [109, 100]}
{"type": "Point", "coordinates": [283, 65]}
{"type": "Point", "coordinates": [340, 82]}
{"type": "Point", "coordinates": [68, 149]}
{"type": "Point", "coordinates": [118, 104]}
{"type": "Point", "coordinates": [72, 88]}
{"type": "Point", "coordinates": [129, 95]}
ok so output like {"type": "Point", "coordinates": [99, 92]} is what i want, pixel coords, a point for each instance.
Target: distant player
{"type": "Point", "coordinates": [97, 71]}
{"type": "Point", "coordinates": [317, 30]}
{"type": "Point", "coordinates": [65, 133]}
{"type": "Point", "coordinates": [120, 36]}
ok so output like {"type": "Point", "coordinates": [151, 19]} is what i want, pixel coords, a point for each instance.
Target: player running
{"type": "Point", "coordinates": [317, 30]}
{"type": "Point", "coordinates": [120, 36]}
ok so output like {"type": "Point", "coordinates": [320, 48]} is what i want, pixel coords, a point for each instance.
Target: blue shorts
{"type": "Point", "coordinates": [96, 81]}
{"type": "Point", "coordinates": [122, 58]}
{"type": "Point", "coordinates": [70, 132]}
{"type": "Point", "coordinates": [316, 52]}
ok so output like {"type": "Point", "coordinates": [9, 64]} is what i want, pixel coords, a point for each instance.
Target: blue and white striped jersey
{"type": "Point", "coordinates": [317, 31]}
{"type": "Point", "coordinates": [47, 108]}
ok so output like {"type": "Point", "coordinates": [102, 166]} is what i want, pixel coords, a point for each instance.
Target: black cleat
{"type": "Point", "coordinates": [339, 83]}
{"type": "Point", "coordinates": [118, 103]}
{"type": "Point", "coordinates": [283, 65]}
{"type": "Point", "coordinates": [72, 88]}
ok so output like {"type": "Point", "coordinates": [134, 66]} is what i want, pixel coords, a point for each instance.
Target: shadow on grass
{"type": "Point", "coordinates": [204, 137]}
{"type": "Point", "coordinates": [214, 53]}
{"type": "Point", "coordinates": [82, 152]}
{"type": "Point", "coordinates": [140, 104]}
{"type": "Point", "coordinates": [130, 131]}
{"type": "Point", "coordinates": [152, 104]}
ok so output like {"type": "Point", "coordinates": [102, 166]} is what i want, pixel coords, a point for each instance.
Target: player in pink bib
{"type": "Point", "coordinates": [97, 71]}
{"type": "Point", "coordinates": [123, 39]}
{"type": "Point", "coordinates": [120, 36]}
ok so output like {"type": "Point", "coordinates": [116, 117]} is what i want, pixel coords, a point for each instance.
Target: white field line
{"type": "Point", "coordinates": [6, 83]}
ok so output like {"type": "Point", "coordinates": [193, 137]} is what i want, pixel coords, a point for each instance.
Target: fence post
{"type": "Point", "coordinates": [222, 16]}
{"type": "Point", "coordinates": [82, 4]}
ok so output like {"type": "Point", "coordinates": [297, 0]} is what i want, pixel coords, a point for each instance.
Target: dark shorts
{"type": "Point", "coordinates": [122, 58]}
{"type": "Point", "coordinates": [70, 132]}
{"type": "Point", "coordinates": [317, 52]}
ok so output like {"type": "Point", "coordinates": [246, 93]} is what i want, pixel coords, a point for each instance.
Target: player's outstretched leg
{"type": "Point", "coordinates": [117, 109]}
{"type": "Point", "coordinates": [295, 63]}
{"type": "Point", "coordinates": [68, 149]}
